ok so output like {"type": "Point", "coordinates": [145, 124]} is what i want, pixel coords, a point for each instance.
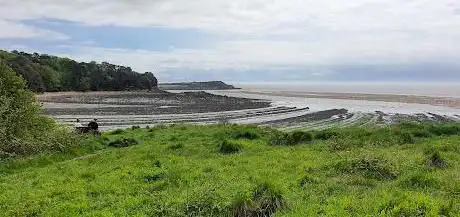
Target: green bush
{"type": "Point", "coordinates": [123, 142]}
{"type": "Point", "coordinates": [227, 147]}
{"type": "Point", "coordinates": [135, 127]}
{"type": "Point", "coordinates": [326, 134]}
{"type": "Point", "coordinates": [445, 129]}
{"type": "Point", "coordinates": [297, 137]}
{"type": "Point", "coordinates": [290, 139]}
{"type": "Point", "coordinates": [24, 130]}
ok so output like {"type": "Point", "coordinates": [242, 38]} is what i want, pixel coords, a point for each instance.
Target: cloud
{"type": "Point", "coordinates": [261, 35]}
{"type": "Point", "coordinates": [18, 30]}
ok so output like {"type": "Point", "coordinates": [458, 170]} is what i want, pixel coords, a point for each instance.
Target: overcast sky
{"type": "Point", "coordinates": [247, 40]}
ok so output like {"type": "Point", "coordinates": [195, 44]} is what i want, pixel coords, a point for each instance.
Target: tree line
{"type": "Point", "coordinates": [46, 73]}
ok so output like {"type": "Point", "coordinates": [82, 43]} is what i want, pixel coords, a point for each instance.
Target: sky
{"type": "Point", "coordinates": [247, 40]}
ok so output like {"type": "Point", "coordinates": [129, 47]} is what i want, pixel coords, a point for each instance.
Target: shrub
{"type": "Point", "coordinates": [369, 167]}
{"type": "Point", "coordinates": [135, 127]}
{"type": "Point", "coordinates": [445, 129]}
{"type": "Point", "coordinates": [405, 137]}
{"type": "Point", "coordinates": [279, 138]}
{"type": "Point", "coordinates": [290, 139]}
{"type": "Point", "coordinates": [117, 132]}
{"type": "Point", "coordinates": [24, 130]}
{"type": "Point", "coordinates": [227, 147]}
{"type": "Point", "coordinates": [265, 201]}
{"type": "Point", "coordinates": [326, 134]}
{"type": "Point", "coordinates": [123, 142]}
{"type": "Point", "coordinates": [300, 137]}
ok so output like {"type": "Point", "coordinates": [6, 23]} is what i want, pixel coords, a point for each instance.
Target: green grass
{"type": "Point", "coordinates": [184, 170]}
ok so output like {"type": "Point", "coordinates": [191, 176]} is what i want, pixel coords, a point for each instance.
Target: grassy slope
{"type": "Point", "coordinates": [177, 171]}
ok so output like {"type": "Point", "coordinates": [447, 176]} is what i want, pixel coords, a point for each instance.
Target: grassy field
{"type": "Point", "coordinates": [229, 170]}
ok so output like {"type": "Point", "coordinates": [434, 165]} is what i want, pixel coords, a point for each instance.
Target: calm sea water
{"type": "Point", "coordinates": [423, 89]}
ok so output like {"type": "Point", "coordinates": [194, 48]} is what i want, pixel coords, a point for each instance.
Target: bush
{"type": "Point", "coordinates": [279, 138]}
{"type": "Point", "coordinates": [135, 127]}
{"type": "Point", "coordinates": [123, 142]}
{"type": "Point", "coordinates": [445, 129]}
{"type": "Point", "coordinates": [405, 137]}
{"type": "Point", "coordinates": [227, 147]}
{"type": "Point", "coordinates": [290, 139]}
{"type": "Point", "coordinates": [300, 137]}
{"type": "Point", "coordinates": [117, 132]}
{"type": "Point", "coordinates": [24, 130]}
{"type": "Point", "coordinates": [265, 201]}
{"type": "Point", "coordinates": [326, 134]}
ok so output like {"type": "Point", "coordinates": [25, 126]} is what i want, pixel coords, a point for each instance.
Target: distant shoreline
{"type": "Point", "coordinates": [415, 99]}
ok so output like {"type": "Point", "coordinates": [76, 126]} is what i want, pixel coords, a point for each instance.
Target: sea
{"type": "Point", "coordinates": [447, 89]}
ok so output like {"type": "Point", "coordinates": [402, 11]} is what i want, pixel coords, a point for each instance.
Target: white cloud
{"type": "Point", "coordinates": [18, 30]}
{"type": "Point", "coordinates": [265, 33]}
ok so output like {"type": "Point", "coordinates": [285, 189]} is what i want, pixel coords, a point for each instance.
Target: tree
{"type": "Point", "coordinates": [21, 119]}
{"type": "Point", "coordinates": [49, 73]}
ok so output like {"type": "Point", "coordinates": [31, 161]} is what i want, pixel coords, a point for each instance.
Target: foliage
{"type": "Point", "coordinates": [24, 130]}
{"type": "Point", "coordinates": [290, 139]}
{"type": "Point", "coordinates": [45, 73]}
{"type": "Point", "coordinates": [375, 176]}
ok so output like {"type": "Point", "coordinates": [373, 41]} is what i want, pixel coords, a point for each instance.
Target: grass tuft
{"type": "Point", "coordinates": [265, 201]}
{"type": "Point", "coordinates": [123, 142]}
{"type": "Point", "coordinates": [227, 147]}
{"type": "Point", "coordinates": [372, 168]}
